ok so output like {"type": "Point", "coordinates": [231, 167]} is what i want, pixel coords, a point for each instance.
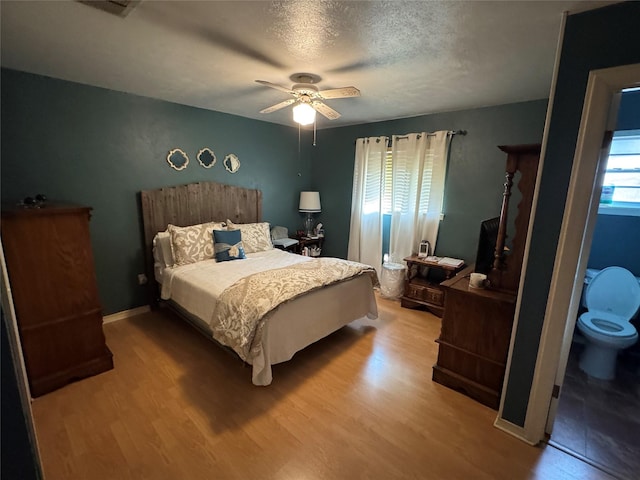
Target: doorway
{"type": "Point", "coordinates": [573, 247]}
{"type": "Point", "coordinates": [598, 420]}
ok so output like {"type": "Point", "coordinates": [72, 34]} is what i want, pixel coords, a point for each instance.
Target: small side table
{"type": "Point", "coordinates": [307, 242]}
{"type": "Point", "coordinates": [421, 291]}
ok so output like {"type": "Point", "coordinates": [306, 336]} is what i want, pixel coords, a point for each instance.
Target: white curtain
{"type": "Point", "coordinates": [408, 185]}
{"type": "Point", "coordinates": [365, 234]}
{"type": "Point", "coordinates": [419, 165]}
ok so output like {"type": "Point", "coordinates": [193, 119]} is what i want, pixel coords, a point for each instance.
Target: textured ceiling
{"type": "Point", "coordinates": [407, 58]}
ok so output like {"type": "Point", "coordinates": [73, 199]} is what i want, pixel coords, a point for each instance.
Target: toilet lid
{"type": "Point", "coordinates": [607, 324]}
{"type": "Point", "coordinates": [614, 290]}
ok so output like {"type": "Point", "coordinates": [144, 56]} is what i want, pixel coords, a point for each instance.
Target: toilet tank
{"type": "Point", "coordinates": [588, 276]}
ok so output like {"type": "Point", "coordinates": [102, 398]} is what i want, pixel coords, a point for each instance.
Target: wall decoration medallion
{"type": "Point", "coordinates": [231, 163]}
{"type": "Point", "coordinates": [177, 159]}
{"type": "Point", "coordinates": [206, 157]}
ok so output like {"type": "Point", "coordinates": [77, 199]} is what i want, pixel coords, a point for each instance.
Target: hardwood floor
{"type": "Point", "coordinates": [358, 404]}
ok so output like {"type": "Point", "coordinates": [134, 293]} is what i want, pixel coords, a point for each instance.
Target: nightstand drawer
{"type": "Point", "coordinates": [426, 293]}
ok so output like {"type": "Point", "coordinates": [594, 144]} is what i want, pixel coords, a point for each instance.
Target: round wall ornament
{"type": "Point", "coordinates": [177, 159]}
{"type": "Point", "coordinates": [206, 157]}
{"type": "Point", "coordinates": [231, 163]}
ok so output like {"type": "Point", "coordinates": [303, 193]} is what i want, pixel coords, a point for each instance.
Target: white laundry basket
{"type": "Point", "coordinates": [392, 280]}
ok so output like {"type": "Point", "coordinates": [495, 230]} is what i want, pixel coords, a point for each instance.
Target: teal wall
{"type": "Point", "coordinates": [475, 173]}
{"type": "Point", "coordinates": [97, 147]}
{"type": "Point", "coordinates": [596, 39]}
{"type": "Point", "coordinates": [615, 243]}
{"type": "Point", "coordinates": [629, 113]}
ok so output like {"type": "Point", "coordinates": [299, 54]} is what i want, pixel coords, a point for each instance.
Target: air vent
{"type": "Point", "coordinates": [121, 8]}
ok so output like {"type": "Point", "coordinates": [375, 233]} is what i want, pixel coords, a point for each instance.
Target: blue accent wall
{"type": "Point", "coordinates": [475, 172]}
{"type": "Point", "coordinates": [97, 147]}
{"type": "Point", "coordinates": [629, 112]}
{"type": "Point", "coordinates": [596, 39]}
{"type": "Point", "coordinates": [616, 241]}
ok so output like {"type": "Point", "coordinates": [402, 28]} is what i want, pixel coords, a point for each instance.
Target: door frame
{"type": "Point", "coordinates": [572, 254]}
{"type": "Point", "coordinates": [20, 370]}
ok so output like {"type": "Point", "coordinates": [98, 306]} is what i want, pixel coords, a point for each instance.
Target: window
{"type": "Point", "coordinates": [623, 170]}
{"type": "Point", "coordinates": [404, 184]}
{"type": "Point", "coordinates": [388, 183]}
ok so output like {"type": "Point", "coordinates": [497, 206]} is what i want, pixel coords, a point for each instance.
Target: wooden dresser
{"type": "Point", "coordinates": [474, 340]}
{"type": "Point", "coordinates": [53, 283]}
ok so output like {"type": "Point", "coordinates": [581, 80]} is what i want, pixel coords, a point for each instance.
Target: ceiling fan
{"type": "Point", "coordinates": [308, 99]}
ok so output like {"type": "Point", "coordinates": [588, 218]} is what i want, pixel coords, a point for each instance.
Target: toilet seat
{"type": "Point", "coordinates": [608, 325]}
{"type": "Point", "coordinates": [613, 290]}
{"type": "Point", "coordinates": [612, 297]}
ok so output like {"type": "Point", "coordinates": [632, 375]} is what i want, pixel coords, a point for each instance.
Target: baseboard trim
{"type": "Point", "coordinates": [114, 317]}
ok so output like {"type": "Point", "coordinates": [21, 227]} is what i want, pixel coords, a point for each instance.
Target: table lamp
{"type": "Point", "coordinates": [309, 204]}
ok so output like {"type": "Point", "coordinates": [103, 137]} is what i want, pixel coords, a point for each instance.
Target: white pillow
{"type": "Point", "coordinates": [193, 243]}
{"type": "Point", "coordinates": [162, 249]}
{"type": "Point", "coordinates": [256, 237]}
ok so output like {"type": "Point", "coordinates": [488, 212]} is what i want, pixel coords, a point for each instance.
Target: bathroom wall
{"type": "Point", "coordinates": [616, 237]}
{"type": "Point", "coordinates": [615, 242]}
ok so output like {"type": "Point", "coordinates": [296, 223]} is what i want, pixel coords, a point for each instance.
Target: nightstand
{"type": "Point", "coordinates": [309, 243]}
{"type": "Point", "coordinates": [422, 285]}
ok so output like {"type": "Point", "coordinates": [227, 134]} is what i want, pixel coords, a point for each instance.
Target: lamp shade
{"type": "Point", "coordinates": [309, 202]}
{"type": "Point", "coordinates": [304, 114]}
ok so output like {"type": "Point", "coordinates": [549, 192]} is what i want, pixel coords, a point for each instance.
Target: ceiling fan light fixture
{"type": "Point", "coordinates": [304, 114]}
{"type": "Point", "coordinates": [307, 99]}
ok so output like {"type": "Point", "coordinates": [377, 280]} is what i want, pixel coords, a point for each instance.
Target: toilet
{"type": "Point", "coordinates": [612, 296]}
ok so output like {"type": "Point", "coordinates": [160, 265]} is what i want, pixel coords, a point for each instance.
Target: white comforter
{"type": "Point", "coordinates": [201, 288]}
{"type": "Point", "coordinates": [197, 286]}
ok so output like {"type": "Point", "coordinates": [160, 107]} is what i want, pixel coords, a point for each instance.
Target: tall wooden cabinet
{"type": "Point", "coordinates": [53, 283]}
{"type": "Point", "coordinates": [477, 323]}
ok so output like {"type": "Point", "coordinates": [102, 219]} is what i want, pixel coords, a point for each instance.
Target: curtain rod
{"type": "Point", "coordinates": [450, 132]}
{"type": "Point", "coordinates": [457, 132]}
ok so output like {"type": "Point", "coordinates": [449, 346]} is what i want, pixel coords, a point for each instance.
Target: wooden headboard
{"type": "Point", "coordinates": [191, 204]}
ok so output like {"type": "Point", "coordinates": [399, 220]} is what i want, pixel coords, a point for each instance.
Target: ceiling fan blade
{"type": "Point", "coordinates": [343, 92]}
{"type": "Point", "coordinates": [277, 87]}
{"type": "Point", "coordinates": [278, 106]}
{"type": "Point", "coordinates": [172, 16]}
{"type": "Point", "coordinates": [325, 110]}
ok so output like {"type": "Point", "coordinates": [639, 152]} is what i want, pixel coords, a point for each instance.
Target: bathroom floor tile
{"type": "Point", "coordinates": [617, 456]}
{"type": "Point", "coordinates": [600, 419]}
{"type": "Point", "coordinates": [570, 428]}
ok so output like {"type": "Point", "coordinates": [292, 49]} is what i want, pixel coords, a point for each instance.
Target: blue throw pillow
{"type": "Point", "coordinates": [227, 245]}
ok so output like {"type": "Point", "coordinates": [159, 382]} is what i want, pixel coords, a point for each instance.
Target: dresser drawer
{"type": "Point", "coordinates": [426, 293]}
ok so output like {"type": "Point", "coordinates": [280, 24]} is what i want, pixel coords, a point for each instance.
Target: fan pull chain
{"type": "Point", "coordinates": [314, 131]}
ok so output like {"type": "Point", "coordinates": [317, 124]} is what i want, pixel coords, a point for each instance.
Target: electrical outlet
{"type": "Point", "coordinates": [142, 279]}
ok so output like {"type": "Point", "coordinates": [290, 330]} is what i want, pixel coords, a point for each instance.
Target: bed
{"type": "Point", "coordinates": [208, 293]}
